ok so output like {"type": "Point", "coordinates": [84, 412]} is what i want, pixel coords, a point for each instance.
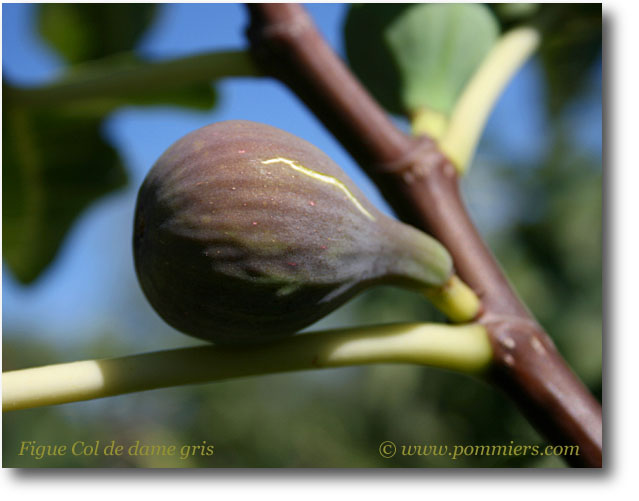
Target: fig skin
{"type": "Point", "coordinates": [245, 233]}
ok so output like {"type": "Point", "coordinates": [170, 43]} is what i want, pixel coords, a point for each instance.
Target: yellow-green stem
{"type": "Point", "coordinates": [430, 122]}
{"type": "Point", "coordinates": [463, 348]}
{"type": "Point", "coordinates": [471, 111]}
{"type": "Point", "coordinates": [455, 300]}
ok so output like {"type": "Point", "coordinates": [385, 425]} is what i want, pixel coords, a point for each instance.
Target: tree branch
{"type": "Point", "coordinates": [421, 184]}
{"type": "Point", "coordinates": [101, 79]}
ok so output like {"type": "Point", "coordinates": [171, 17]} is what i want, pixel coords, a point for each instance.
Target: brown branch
{"type": "Point", "coordinates": [422, 186]}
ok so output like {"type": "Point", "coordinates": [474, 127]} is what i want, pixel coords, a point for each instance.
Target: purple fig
{"type": "Point", "coordinates": [246, 233]}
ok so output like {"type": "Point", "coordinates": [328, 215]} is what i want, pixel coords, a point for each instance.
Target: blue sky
{"type": "Point", "coordinates": [91, 285]}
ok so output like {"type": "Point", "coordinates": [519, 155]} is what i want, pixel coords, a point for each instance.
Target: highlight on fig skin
{"type": "Point", "coordinates": [245, 233]}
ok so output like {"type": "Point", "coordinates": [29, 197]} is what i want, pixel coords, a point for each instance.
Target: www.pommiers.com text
{"type": "Point", "coordinates": [388, 449]}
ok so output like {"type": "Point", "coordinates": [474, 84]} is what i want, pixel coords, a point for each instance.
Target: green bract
{"type": "Point", "coordinates": [245, 233]}
{"type": "Point", "coordinates": [415, 56]}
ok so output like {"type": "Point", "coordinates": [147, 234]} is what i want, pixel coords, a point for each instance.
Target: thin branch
{"type": "Point", "coordinates": [421, 184]}
{"type": "Point", "coordinates": [105, 79]}
{"type": "Point", "coordinates": [463, 348]}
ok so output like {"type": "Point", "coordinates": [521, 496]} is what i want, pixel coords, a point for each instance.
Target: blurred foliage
{"type": "Point", "coordinates": [415, 56]}
{"type": "Point", "coordinates": [555, 259]}
{"type": "Point", "coordinates": [571, 42]}
{"type": "Point", "coordinates": [54, 165]}
{"type": "Point", "coordinates": [338, 418]}
{"type": "Point", "coordinates": [84, 31]}
{"type": "Point", "coordinates": [55, 160]}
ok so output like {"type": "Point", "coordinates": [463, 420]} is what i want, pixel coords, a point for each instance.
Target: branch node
{"type": "Point", "coordinates": [287, 30]}
{"type": "Point", "coordinates": [513, 337]}
{"type": "Point", "coordinates": [416, 161]}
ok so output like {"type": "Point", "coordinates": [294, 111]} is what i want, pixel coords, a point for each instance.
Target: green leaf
{"type": "Point", "coordinates": [54, 166]}
{"type": "Point", "coordinates": [81, 31]}
{"type": "Point", "coordinates": [416, 56]}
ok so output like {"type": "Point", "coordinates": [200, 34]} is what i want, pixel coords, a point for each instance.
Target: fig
{"type": "Point", "coordinates": [245, 233]}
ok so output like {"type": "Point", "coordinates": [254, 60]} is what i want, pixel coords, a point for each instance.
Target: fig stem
{"type": "Point", "coordinates": [467, 120]}
{"type": "Point", "coordinates": [463, 348]}
{"type": "Point", "coordinates": [430, 122]}
{"type": "Point", "coordinates": [99, 79]}
{"type": "Point", "coordinates": [455, 299]}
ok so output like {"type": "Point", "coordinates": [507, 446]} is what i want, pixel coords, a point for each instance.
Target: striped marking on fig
{"type": "Point", "coordinates": [323, 178]}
